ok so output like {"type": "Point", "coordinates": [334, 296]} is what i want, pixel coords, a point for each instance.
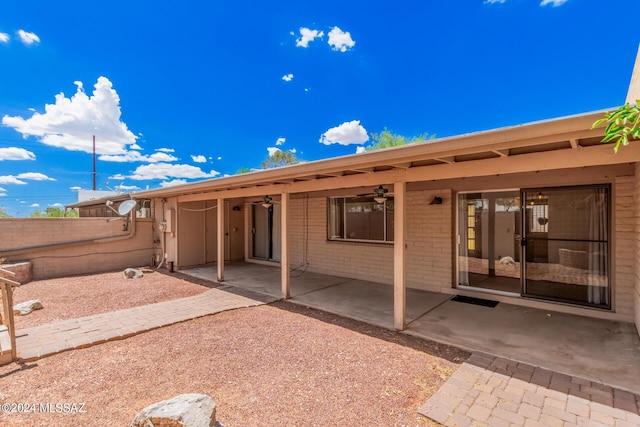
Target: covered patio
{"type": "Point", "coordinates": [599, 350]}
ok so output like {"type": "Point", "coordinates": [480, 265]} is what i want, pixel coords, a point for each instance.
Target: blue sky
{"type": "Point", "coordinates": [182, 91]}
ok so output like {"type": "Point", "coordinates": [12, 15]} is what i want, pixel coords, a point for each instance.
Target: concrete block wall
{"type": "Point", "coordinates": [71, 256]}
{"type": "Point", "coordinates": [636, 237]}
{"type": "Point", "coordinates": [429, 240]}
{"type": "Point", "coordinates": [429, 244]}
{"type": "Point", "coordinates": [623, 263]}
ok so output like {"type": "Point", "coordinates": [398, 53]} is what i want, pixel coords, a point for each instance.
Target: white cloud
{"type": "Point", "coordinates": [35, 176]}
{"type": "Point", "coordinates": [118, 176]}
{"type": "Point", "coordinates": [280, 141]}
{"type": "Point", "coordinates": [10, 179]}
{"type": "Point", "coordinates": [168, 170]}
{"type": "Point", "coordinates": [134, 156]}
{"type": "Point", "coordinates": [15, 153]}
{"type": "Point", "coordinates": [307, 35]}
{"type": "Point", "coordinates": [272, 150]}
{"type": "Point", "coordinates": [287, 77]}
{"type": "Point", "coordinates": [293, 150]}
{"type": "Point", "coordinates": [128, 187]}
{"type": "Point", "coordinates": [75, 188]}
{"type": "Point", "coordinates": [135, 146]}
{"type": "Point", "coordinates": [56, 205]}
{"type": "Point", "coordinates": [553, 3]}
{"type": "Point", "coordinates": [340, 40]}
{"type": "Point", "coordinates": [347, 133]}
{"type": "Point", "coordinates": [28, 38]}
{"type": "Point", "coordinates": [199, 158]}
{"type": "Point", "coordinates": [360, 149]}
{"type": "Point", "coordinates": [70, 123]}
{"type": "Point", "coordinates": [166, 150]}
{"type": "Point", "coordinates": [494, 1]}
{"type": "Point", "coordinates": [3, 194]}
{"type": "Point", "coordinates": [35, 205]}
{"type": "Point", "coordinates": [4, 38]}
{"type": "Point", "coordinates": [165, 184]}
{"type": "Point", "coordinates": [219, 157]}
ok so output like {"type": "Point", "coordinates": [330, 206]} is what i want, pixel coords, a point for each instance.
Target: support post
{"type": "Point", "coordinates": [220, 238]}
{"type": "Point", "coordinates": [399, 256]}
{"type": "Point", "coordinates": [6, 286]}
{"type": "Point", "coordinates": [284, 245]}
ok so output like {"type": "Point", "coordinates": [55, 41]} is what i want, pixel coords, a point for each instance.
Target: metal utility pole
{"type": "Point", "coordinates": [94, 163]}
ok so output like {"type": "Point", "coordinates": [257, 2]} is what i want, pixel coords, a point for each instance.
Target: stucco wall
{"type": "Point", "coordinates": [66, 254]}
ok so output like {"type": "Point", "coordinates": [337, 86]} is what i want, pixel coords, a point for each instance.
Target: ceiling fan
{"type": "Point", "coordinates": [379, 194]}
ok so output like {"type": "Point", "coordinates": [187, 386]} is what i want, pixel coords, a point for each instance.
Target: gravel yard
{"type": "Point", "coordinates": [78, 296]}
{"type": "Point", "coordinates": [274, 365]}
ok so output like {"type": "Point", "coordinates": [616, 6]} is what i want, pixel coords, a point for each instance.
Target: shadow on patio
{"type": "Point", "coordinates": [603, 351]}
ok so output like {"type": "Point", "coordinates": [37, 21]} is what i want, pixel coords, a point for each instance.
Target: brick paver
{"type": "Point", "coordinates": [493, 391]}
{"type": "Point", "coordinates": [44, 340]}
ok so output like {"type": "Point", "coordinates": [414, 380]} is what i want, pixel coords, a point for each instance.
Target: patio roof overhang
{"type": "Point", "coordinates": [551, 144]}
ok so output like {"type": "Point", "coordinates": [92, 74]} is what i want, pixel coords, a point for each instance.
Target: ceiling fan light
{"type": "Point", "coordinates": [380, 199]}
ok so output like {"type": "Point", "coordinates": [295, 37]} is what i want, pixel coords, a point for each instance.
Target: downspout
{"type": "Point", "coordinates": [131, 234]}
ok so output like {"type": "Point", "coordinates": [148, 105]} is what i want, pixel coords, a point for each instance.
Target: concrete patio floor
{"type": "Point", "coordinates": [602, 351]}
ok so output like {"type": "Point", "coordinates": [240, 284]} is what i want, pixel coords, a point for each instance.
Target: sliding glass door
{"type": "Point", "coordinates": [544, 243]}
{"type": "Point", "coordinates": [489, 250]}
{"type": "Point", "coordinates": [566, 244]}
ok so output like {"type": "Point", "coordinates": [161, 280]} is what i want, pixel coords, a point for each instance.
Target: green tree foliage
{"type": "Point", "coordinates": [53, 212]}
{"type": "Point", "coordinates": [622, 124]}
{"type": "Point", "coordinates": [3, 213]}
{"type": "Point", "coordinates": [242, 170]}
{"type": "Point", "coordinates": [387, 139]}
{"type": "Point", "coordinates": [280, 158]}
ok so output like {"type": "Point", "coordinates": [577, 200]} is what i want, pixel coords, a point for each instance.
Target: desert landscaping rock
{"type": "Point", "coordinates": [185, 410]}
{"type": "Point", "coordinates": [132, 273]}
{"type": "Point", "coordinates": [24, 308]}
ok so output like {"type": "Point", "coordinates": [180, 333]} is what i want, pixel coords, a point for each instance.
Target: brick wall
{"type": "Point", "coordinates": [429, 245]}
{"type": "Point", "coordinates": [636, 236]}
{"type": "Point", "coordinates": [75, 258]}
{"type": "Point", "coordinates": [623, 263]}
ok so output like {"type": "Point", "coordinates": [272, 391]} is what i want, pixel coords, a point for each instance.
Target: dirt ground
{"type": "Point", "coordinates": [275, 365]}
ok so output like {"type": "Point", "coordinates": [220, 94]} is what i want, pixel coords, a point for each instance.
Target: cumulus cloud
{"type": "Point", "coordinates": [166, 150]}
{"type": "Point", "coordinates": [15, 153]}
{"type": "Point", "coordinates": [553, 3]}
{"type": "Point", "coordinates": [280, 141]}
{"type": "Point", "coordinates": [494, 1]}
{"type": "Point", "coordinates": [347, 133]}
{"type": "Point", "coordinates": [199, 158]}
{"type": "Point", "coordinates": [20, 178]}
{"type": "Point", "coordinates": [4, 38]}
{"type": "Point", "coordinates": [340, 40]}
{"type": "Point", "coordinates": [135, 156]}
{"type": "Point", "coordinates": [165, 184]}
{"type": "Point", "coordinates": [287, 77]}
{"type": "Point", "coordinates": [272, 150]}
{"type": "Point", "coordinates": [360, 149]}
{"type": "Point", "coordinates": [70, 123]}
{"type": "Point", "coordinates": [168, 170]}
{"type": "Point", "coordinates": [307, 35]}
{"type": "Point", "coordinates": [35, 205]}
{"type": "Point", "coordinates": [128, 187]}
{"type": "Point", "coordinates": [219, 157]}
{"type": "Point", "coordinates": [35, 176]}
{"type": "Point", "coordinates": [56, 205]}
{"type": "Point", "coordinates": [28, 38]}
{"type": "Point", "coordinates": [75, 188]}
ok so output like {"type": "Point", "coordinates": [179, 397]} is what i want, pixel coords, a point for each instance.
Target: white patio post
{"type": "Point", "coordinates": [399, 257]}
{"type": "Point", "coordinates": [220, 239]}
{"type": "Point", "coordinates": [284, 248]}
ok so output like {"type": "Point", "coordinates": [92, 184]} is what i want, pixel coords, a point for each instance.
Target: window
{"type": "Point", "coordinates": [360, 218]}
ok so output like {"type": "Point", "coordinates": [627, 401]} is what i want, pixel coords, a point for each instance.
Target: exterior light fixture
{"type": "Point", "coordinates": [437, 200]}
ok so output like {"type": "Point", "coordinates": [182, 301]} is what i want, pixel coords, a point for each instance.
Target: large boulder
{"type": "Point", "coordinates": [27, 307]}
{"type": "Point", "coordinates": [185, 410]}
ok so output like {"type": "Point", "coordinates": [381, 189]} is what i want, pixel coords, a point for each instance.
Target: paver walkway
{"type": "Point", "coordinates": [493, 391]}
{"type": "Point", "coordinates": [39, 341]}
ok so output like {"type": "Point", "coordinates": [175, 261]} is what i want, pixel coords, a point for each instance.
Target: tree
{"type": "Point", "coordinates": [53, 212]}
{"type": "Point", "coordinates": [622, 124]}
{"type": "Point", "coordinates": [242, 170]}
{"type": "Point", "coordinates": [280, 158]}
{"type": "Point", "coordinates": [387, 139]}
{"type": "Point", "coordinates": [3, 213]}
